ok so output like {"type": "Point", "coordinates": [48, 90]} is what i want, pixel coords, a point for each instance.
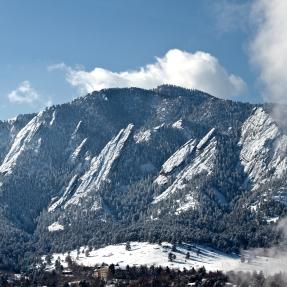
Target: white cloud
{"type": "Point", "coordinates": [269, 47]}
{"type": "Point", "coordinates": [59, 66]}
{"type": "Point", "coordinates": [48, 102]}
{"type": "Point", "coordinates": [24, 94]}
{"type": "Point", "coordinates": [231, 15]}
{"type": "Point", "coordinates": [198, 70]}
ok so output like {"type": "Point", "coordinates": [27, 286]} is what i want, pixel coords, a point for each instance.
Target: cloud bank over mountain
{"type": "Point", "coordinates": [197, 70]}
{"type": "Point", "coordinates": [268, 52]}
{"type": "Point", "coordinates": [269, 46]}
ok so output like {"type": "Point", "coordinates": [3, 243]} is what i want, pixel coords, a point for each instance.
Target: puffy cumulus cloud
{"type": "Point", "coordinates": [269, 47]}
{"type": "Point", "coordinates": [198, 70]}
{"type": "Point", "coordinates": [24, 94]}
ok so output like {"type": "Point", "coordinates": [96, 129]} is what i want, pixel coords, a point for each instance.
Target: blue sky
{"type": "Point", "coordinates": [49, 48]}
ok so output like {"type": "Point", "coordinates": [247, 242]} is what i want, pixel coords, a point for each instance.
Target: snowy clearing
{"type": "Point", "coordinates": [144, 253]}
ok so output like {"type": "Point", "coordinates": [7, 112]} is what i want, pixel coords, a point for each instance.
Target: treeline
{"type": "Point", "coordinates": [141, 276]}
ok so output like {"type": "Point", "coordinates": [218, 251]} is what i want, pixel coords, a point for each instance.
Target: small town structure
{"type": "Point", "coordinates": [103, 272]}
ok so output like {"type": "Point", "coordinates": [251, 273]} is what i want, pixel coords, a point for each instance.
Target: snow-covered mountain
{"type": "Point", "coordinates": [134, 164]}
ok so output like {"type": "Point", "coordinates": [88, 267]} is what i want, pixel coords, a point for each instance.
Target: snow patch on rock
{"type": "Point", "coordinates": [161, 180]}
{"type": "Point", "coordinates": [179, 156]}
{"type": "Point", "coordinates": [66, 193]}
{"type": "Point", "coordinates": [21, 143]}
{"type": "Point", "coordinates": [100, 166]}
{"type": "Point", "coordinates": [177, 125]}
{"type": "Point", "coordinates": [274, 219]}
{"type": "Point", "coordinates": [196, 159]}
{"type": "Point", "coordinates": [53, 118]}
{"type": "Point", "coordinates": [142, 136]}
{"type": "Point", "coordinates": [263, 148]}
{"type": "Point", "coordinates": [56, 226]}
{"type": "Point", "coordinates": [206, 138]}
{"type": "Point", "coordinates": [78, 149]}
{"type": "Point", "coordinates": [187, 204]}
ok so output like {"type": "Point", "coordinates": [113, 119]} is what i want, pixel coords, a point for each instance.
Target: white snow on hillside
{"type": "Point", "coordinates": [177, 124]}
{"type": "Point", "coordinates": [274, 219]}
{"type": "Point", "coordinates": [144, 253]}
{"type": "Point", "coordinates": [264, 148]}
{"type": "Point", "coordinates": [142, 136]}
{"type": "Point", "coordinates": [187, 203]}
{"type": "Point", "coordinates": [78, 149]}
{"type": "Point", "coordinates": [77, 129]}
{"type": "Point", "coordinates": [203, 162]}
{"type": "Point", "coordinates": [206, 138]}
{"type": "Point", "coordinates": [100, 166]}
{"type": "Point", "coordinates": [53, 118]}
{"type": "Point", "coordinates": [179, 156]}
{"type": "Point", "coordinates": [22, 142]}
{"type": "Point", "coordinates": [66, 193]}
{"type": "Point", "coordinates": [161, 180]}
{"type": "Point", "coordinates": [96, 173]}
{"type": "Point", "coordinates": [56, 226]}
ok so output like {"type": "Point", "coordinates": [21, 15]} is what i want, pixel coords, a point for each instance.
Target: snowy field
{"type": "Point", "coordinates": [143, 253]}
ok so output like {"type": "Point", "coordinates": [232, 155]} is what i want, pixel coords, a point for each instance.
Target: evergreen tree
{"type": "Point", "coordinates": [128, 246]}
